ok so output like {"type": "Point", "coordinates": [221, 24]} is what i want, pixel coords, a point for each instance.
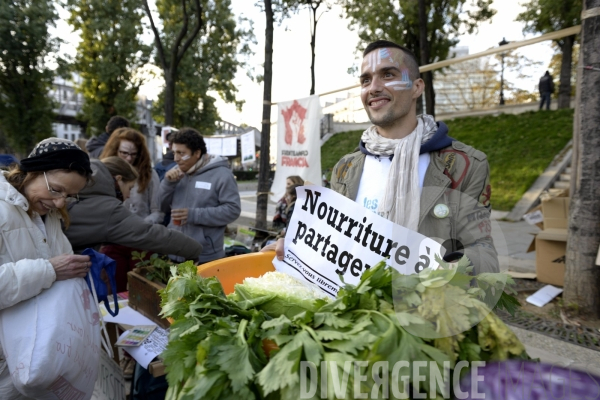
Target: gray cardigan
{"type": "Point", "coordinates": [101, 218]}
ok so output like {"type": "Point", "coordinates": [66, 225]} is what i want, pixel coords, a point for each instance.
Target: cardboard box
{"type": "Point", "coordinates": [143, 297]}
{"type": "Point", "coordinates": [556, 212]}
{"type": "Point", "coordinates": [551, 249]}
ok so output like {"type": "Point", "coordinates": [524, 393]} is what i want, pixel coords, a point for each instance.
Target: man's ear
{"type": "Point", "coordinates": [418, 88]}
{"type": "Point", "coordinates": [118, 178]}
{"type": "Point", "coordinates": [197, 153]}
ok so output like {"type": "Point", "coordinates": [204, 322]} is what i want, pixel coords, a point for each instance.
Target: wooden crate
{"type": "Point", "coordinates": [143, 297]}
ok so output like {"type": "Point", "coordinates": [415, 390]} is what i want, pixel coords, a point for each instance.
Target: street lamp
{"type": "Point", "coordinates": [502, 43]}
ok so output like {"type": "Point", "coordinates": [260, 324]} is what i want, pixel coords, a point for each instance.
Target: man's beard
{"type": "Point", "coordinates": [390, 117]}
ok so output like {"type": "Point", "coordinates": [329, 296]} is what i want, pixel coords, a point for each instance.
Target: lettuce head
{"type": "Point", "coordinates": [277, 293]}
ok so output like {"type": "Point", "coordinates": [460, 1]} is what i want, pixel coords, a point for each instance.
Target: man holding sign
{"type": "Point", "coordinates": [409, 171]}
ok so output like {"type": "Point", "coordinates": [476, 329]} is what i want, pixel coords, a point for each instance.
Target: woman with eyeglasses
{"type": "Point", "coordinates": [100, 218]}
{"type": "Point", "coordinates": [130, 145]}
{"type": "Point", "coordinates": [34, 252]}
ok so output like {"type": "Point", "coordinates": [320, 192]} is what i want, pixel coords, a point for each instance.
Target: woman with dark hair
{"type": "Point", "coordinates": [101, 218]}
{"type": "Point", "coordinates": [34, 253]}
{"type": "Point", "coordinates": [130, 145]}
{"type": "Point", "coordinates": [280, 219]}
{"type": "Point", "coordinates": [290, 201]}
{"type": "Point", "coordinates": [200, 192]}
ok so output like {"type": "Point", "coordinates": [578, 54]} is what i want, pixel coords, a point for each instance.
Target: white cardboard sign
{"type": "Point", "coordinates": [248, 147]}
{"type": "Point", "coordinates": [330, 235]}
{"type": "Point", "coordinates": [110, 384]}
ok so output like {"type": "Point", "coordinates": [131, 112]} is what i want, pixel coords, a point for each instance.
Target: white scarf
{"type": "Point", "coordinates": [202, 161]}
{"type": "Point", "coordinates": [402, 195]}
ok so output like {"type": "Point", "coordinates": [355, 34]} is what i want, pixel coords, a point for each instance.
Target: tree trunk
{"type": "Point", "coordinates": [564, 88]}
{"type": "Point", "coordinates": [582, 276]}
{"type": "Point", "coordinates": [313, 41]}
{"type": "Point", "coordinates": [424, 50]}
{"type": "Point", "coordinates": [169, 97]}
{"type": "Point", "coordinates": [265, 135]}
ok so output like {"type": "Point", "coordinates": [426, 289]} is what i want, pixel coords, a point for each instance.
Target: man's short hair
{"type": "Point", "coordinates": [410, 61]}
{"type": "Point", "coordinates": [115, 123]}
{"type": "Point", "coordinates": [189, 137]}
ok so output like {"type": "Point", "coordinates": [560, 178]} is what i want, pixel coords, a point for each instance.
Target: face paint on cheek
{"type": "Point", "coordinates": [186, 157]}
{"type": "Point", "coordinates": [399, 85]}
{"type": "Point", "coordinates": [403, 84]}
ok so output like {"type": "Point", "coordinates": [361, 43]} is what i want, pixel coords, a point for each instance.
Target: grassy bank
{"type": "Point", "coordinates": [519, 147]}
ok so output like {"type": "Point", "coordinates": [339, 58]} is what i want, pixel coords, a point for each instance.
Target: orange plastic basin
{"type": "Point", "coordinates": [233, 270]}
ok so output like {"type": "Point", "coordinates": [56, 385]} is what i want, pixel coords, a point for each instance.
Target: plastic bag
{"type": "Point", "coordinates": [52, 342]}
{"type": "Point", "coordinates": [103, 262]}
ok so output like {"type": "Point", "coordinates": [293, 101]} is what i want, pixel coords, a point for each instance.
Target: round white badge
{"type": "Point", "coordinates": [441, 211]}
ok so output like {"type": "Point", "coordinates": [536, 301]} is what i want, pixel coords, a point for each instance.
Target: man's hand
{"type": "Point", "coordinates": [174, 174]}
{"type": "Point", "coordinates": [69, 266]}
{"type": "Point", "coordinates": [277, 246]}
{"type": "Point", "coordinates": [179, 216]}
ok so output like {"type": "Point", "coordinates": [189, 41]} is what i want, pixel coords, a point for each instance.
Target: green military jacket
{"type": "Point", "coordinates": [458, 177]}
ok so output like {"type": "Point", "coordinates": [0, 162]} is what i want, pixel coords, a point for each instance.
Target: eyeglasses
{"type": "Point", "coordinates": [127, 154]}
{"type": "Point", "coordinates": [68, 199]}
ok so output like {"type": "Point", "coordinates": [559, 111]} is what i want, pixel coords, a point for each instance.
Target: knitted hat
{"type": "Point", "coordinates": [57, 153]}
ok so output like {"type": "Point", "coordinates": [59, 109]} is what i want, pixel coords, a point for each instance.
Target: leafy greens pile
{"type": "Point", "coordinates": [217, 343]}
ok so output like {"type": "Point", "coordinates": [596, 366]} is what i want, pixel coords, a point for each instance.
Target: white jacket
{"type": "Point", "coordinates": [24, 253]}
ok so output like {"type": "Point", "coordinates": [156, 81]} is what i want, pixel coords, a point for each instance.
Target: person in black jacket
{"type": "Point", "coordinates": [95, 145]}
{"type": "Point", "coordinates": [546, 88]}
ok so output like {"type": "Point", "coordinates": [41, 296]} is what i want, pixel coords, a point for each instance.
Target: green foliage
{"type": "Point", "coordinates": [217, 345]}
{"type": "Point", "coordinates": [108, 57]}
{"type": "Point", "coordinates": [555, 66]}
{"type": "Point", "coordinates": [545, 16]}
{"type": "Point", "coordinates": [384, 19]}
{"type": "Point", "coordinates": [519, 148]}
{"type": "Point", "coordinates": [208, 67]}
{"type": "Point", "coordinates": [155, 268]}
{"type": "Point", "coordinates": [26, 51]}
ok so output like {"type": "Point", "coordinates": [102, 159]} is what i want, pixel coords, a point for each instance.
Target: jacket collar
{"type": "Point", "coordinates": [10, 195]}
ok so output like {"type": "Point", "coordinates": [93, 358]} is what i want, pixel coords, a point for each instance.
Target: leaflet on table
{"type": "Point", "coordinates": [128, 316]}
{"type": "Point", "coordinates": [330, 235]}
{"type": "Point", "coordinates": [150, 348]}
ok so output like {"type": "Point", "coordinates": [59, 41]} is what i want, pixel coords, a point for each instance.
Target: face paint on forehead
{"type": "Point", "coordinates": [385, 53]}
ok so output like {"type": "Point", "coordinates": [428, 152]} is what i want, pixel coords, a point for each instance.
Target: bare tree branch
{"type": "Point", "coordinates": [175, 53]}
{"type": "Point", "coordinates": [194, 33]}
{"type": "Point", "coordinates": [159, 46]}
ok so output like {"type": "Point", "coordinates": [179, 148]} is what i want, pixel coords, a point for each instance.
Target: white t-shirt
{"type": "Point", "coordinates": [374, 179]}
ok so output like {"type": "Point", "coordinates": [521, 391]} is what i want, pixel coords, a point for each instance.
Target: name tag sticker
{"type": "Point", "coordinates": [203, 185]}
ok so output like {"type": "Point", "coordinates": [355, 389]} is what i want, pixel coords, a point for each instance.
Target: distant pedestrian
{"type": "Point", "coordinates": [95, 145]}
{"type": "Point", "coordinates": [168, 160]}
{"type": "Point", "coordinates": [546, 88]}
